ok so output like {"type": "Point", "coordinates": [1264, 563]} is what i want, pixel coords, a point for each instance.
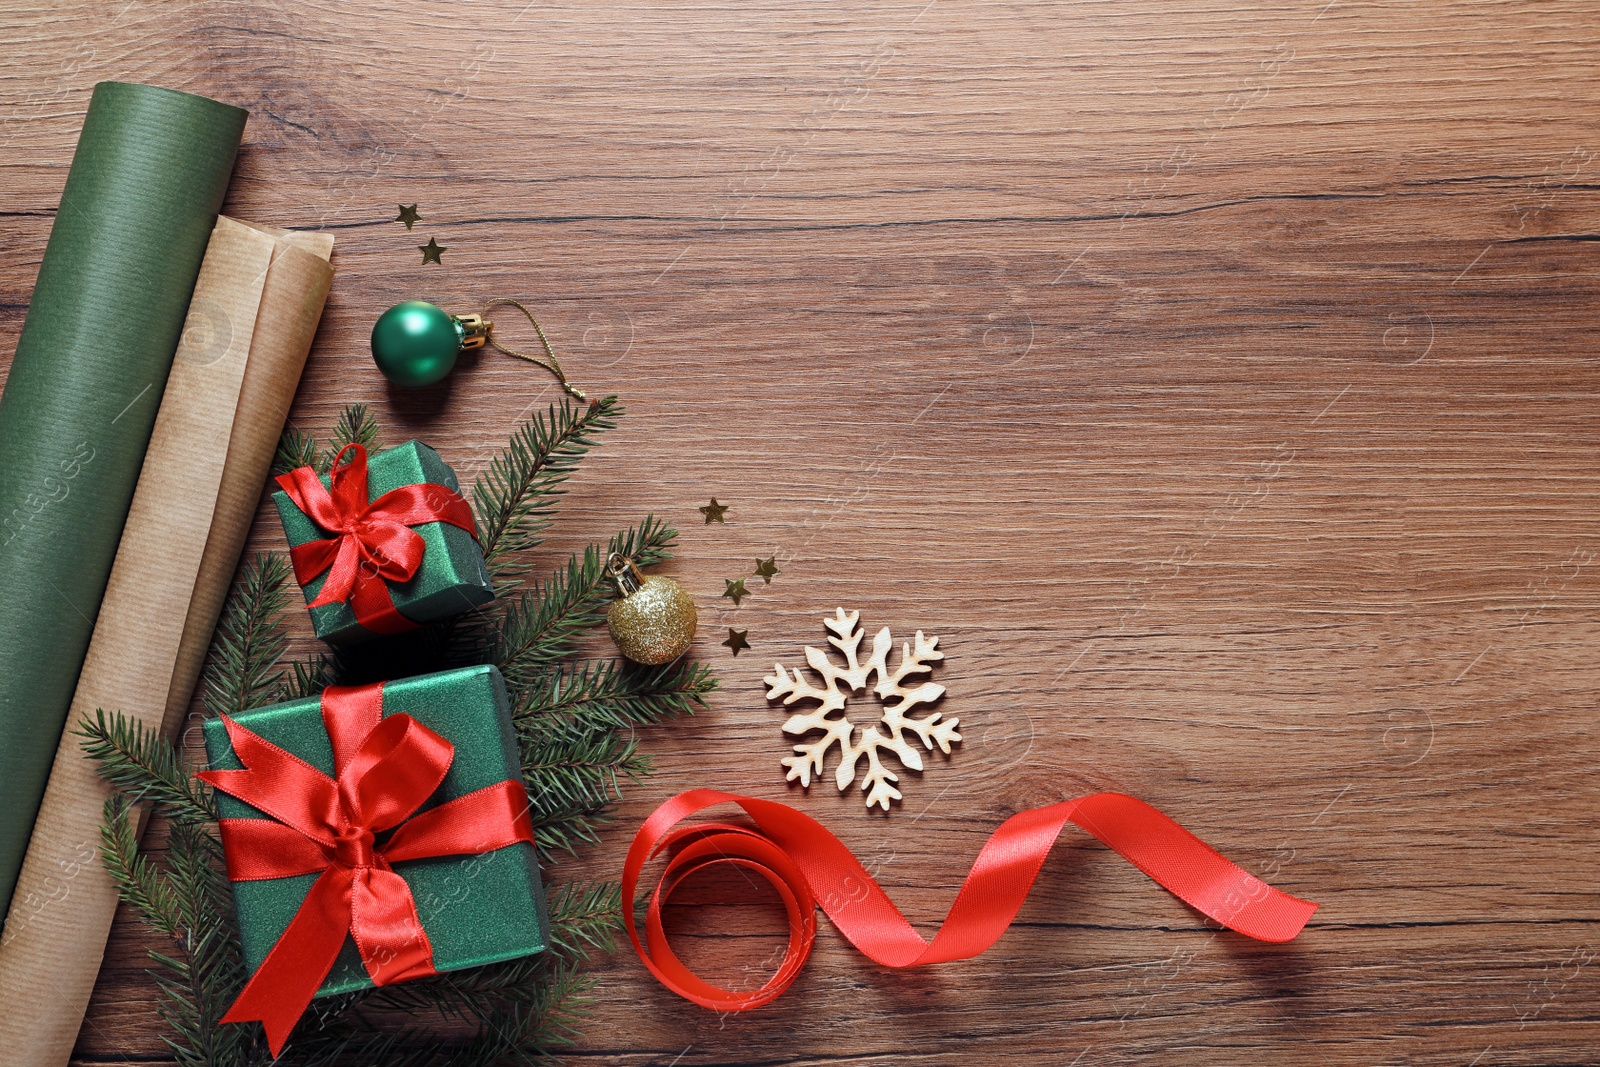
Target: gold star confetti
{"type": "Point", "coordinates": [736, 640]}
{"type": "Point", "coordinates": [408, 215]}
{"type": "Point", "coordinates": [767, 568]}
{"type": "Point", "coordinates": [735, 591]}
{"type": "Point", "coordinates": [431, 250]}
{"type": "Point", "coordinates": [713, 511]}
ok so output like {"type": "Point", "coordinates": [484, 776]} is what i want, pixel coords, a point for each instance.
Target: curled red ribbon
{"type": "Point", "coordinates": [808, 866]}
{"type": "Point", "coordinates": [386, 768]}
{"type": "Point", "coordinates": [373, 543]}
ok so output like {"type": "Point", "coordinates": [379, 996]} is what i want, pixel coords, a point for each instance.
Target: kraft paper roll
{"type": "Point", "coordinates": [256, 307]}
{"type": "Point", "coordinates": [291, 308]}
{"type": "Point", "coordinates": [141, 198]}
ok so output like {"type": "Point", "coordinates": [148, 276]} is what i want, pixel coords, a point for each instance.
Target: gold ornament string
{"type": "Point", "coordinates": [549, 363]}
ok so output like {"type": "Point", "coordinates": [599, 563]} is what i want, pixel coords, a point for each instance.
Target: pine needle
{"type": "Point", "coordinates": [243, 672]}
{"type": "Point", "coordinates": [296, 450]}
{"type": "Point", "coordinates": [584, 917]}
{"type": "Point", "coordinates": [306, 678]}
{"type": "Point", "coordinates": [523, 1028]}
{"type": "Point", "coordinates": [545, 622]}
{"type": "Point", "coordinates": [356, 426]}
{"type": "Point", "coordinates": [574, 775]}
{"type": "Point", "coordinates": [606, 695]}
{"type": "Point", "coordinates": [571, 768]}
{"type": "Point", "coordinates": [190, 904]}
{"type": "Point", "coordinates": [144, 767]}
{"type": "Point", "coordinates": [515, 498]}
{"type": "Point", "coordinates": [138, 882]}
{"type": "Point", "coordinates": [299, 449]}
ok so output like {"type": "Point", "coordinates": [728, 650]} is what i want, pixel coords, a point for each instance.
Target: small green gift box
{"type": "Point", "coordinates": [382, 546]}
{"type": "Point", "coordinates": [475, 907]}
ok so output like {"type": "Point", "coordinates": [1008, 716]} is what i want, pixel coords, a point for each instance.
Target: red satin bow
{"type": "Point", "coordinates": [386, 768]}
{"type": "Point", "coordinates": [375, 544]}
{"type": "Point", "coordinates": [808, 866]}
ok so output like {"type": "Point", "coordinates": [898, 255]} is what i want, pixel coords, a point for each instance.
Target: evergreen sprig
{"type": "Point", "coordinates": [544, 624]}
{"type": "Point", "coordinates": [585, 916]}
{"type": "Point", "coordinates": [243, 671]}
{"type": "Point", "coordinates": [573, 776]}
{"type": "Point", "coordinates": [307, 678]}
{"type": "Point", "coordinates": [604, 695]}
{"type": "Point", "coordinates": [573, 724]}
{"type": "Point", "coordinates": [299, 449]}
{"type": "Point", "coordinates": [296, 450]}
{"type": "Point", "coordinates": [138, 881]}
{"type": "Point", "coordinates": [190, 903]}
{"type": "Point", "coordinates": [515, 497]}
{"type": "Point", "coordinates": [356, 426]}
{"type": "Point", "coordinates": [144, 767]}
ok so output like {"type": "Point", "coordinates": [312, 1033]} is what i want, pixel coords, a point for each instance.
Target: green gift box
{"type": "Point", "coordinates": [475, 909]}
{"type": "Point", "coordinates": [452, 577]}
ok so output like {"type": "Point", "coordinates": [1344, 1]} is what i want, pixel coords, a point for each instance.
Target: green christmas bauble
{"type": "Point", "coordinates": [416, 344]}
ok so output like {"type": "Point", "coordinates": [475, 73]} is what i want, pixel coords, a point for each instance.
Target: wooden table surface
{"type": "Point", "coordinates": [1216, 381]}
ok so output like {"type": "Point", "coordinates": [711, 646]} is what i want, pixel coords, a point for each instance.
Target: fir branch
{"type": "Point", "coordinates": [607, 695]}
{"type": "Point", "coordinates": [571, 769]}
{"type": "Point", "coordinates": [188, 1040]}
{"type": "Point", "coordinates": [574, 775]}
{"type": "Point", "coordinates": [306, 678]}
{"type": "Point", "coordinates": [243, 672]}
{"type": "Point", "coordinates": [519, 1008]}
{"type": "Point", "coordinates": [189, 904]}
{"type": "Point", "coordinates": [646, 544]}
{"type": "Point", "coordinates": [296, 450]}
{"type": "Point", "coordinates": [551, 1016]}
{"type": "Point", "coordinates": [471, 995]}
{"type": "Point", "coordinates": [522, 1031]}
{"type": "Point", "coordinates": [356, 426]}
{"type": "Point", "coordinates": [347, 1040]}
{"type": "Point", "coordinates": [585, 916]}
{"type": "Point", "coordinates": [196, 993]}
{"type": "Point", "coordinates": [195, 858]}
{"type": "Point", "coordinates": [544, 624]}
{"type": "Point", "coordinates": [565, 828]}
{"type": "Point", "coordinates": [143, 766]}
{"type": "Point", "coordinates": [515, 497]}
{"type": "Point", "coordinates": [138, 882]}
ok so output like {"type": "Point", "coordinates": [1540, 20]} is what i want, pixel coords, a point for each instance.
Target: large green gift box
{"type": "Point", "coordinates": [452, 578]}
{"type": "Point", "coordinates": [475, 909]}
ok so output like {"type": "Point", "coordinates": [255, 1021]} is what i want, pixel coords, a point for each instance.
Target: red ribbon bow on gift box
{"type": "Point", "coordinates": [385, 769]}
{"type": "Point", "coordinates": [375, 544]}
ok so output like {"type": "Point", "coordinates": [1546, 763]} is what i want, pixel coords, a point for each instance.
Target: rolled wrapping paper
{"type": "Point", "coordinates": [141, 198]}
{"type": "Point", "coordinates": [291, 308]}
{"type": "Point", "coordinates": [256, 307]}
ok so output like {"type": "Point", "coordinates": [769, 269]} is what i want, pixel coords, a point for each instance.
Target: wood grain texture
{"type": "Point", "coordinates": [1215, 380]}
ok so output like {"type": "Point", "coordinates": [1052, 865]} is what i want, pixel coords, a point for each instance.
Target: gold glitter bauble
{"type": "Point", "coordinates": [655, 623]}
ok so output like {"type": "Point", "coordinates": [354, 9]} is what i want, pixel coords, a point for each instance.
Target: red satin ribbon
{"type": "Point", "coordinates": [375, 544]}
{"type": "Point", "coordinates": [385, 769]}
{"type": "Point", "coordinates": [808, 866]}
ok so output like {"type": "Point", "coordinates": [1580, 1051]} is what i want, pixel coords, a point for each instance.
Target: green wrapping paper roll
{"type": "Point", "coordinates": [143, 193]}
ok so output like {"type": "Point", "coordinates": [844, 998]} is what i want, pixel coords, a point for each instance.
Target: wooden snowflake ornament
{"type": "Point", "coordinates": [831, 717]}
